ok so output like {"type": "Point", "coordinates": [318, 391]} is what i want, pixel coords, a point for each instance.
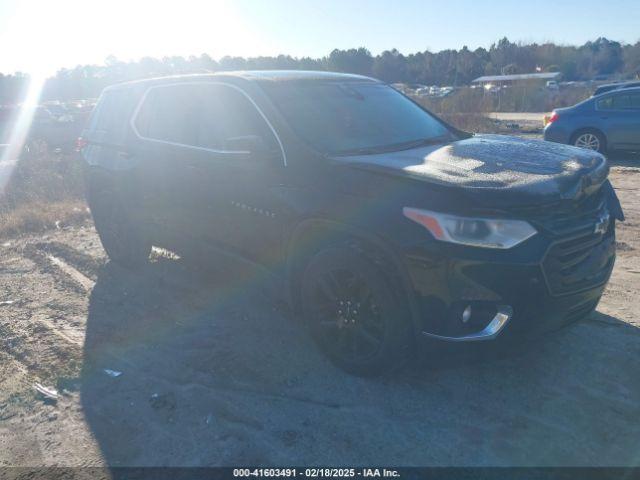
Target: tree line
{"type": "Point", "coordinates": [599, 58]}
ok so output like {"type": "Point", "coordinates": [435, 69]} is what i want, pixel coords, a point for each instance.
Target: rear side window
{"type": "Point", "coordinates": [626, 101]}
{"type": "Point", "coordinates": [169, 114]}
{"type": "Point", "coordinates": [110, 119]}
{"type": "Point", "coordinates": [200, 115]}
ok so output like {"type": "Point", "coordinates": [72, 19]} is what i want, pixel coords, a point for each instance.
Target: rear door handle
{"type": "Point", "coordinates": [123, 154]}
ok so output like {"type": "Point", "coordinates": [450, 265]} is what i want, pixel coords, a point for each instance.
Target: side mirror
{"type": "Point", "coordinates": [254, 144]}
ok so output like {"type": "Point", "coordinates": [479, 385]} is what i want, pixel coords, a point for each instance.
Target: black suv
{"type": "Point", "coordinates": [381, 223]}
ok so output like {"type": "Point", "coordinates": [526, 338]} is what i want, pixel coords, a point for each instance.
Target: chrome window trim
{"type": "Point", "coordinates": [134, 116]}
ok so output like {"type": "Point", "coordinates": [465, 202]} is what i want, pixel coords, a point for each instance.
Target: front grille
{"type": "Point", "coordinates": [580, 262]}
{"type": "Point", "coordinates": [579, 257]}
{"type": "Point", "coordinates": [568, 217]}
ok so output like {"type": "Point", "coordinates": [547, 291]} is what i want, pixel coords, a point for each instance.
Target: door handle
{"type": "Point", "coordinates": [123, 154]}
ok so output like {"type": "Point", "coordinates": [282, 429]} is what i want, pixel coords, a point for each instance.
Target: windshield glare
{"type": "Point", "coordinates": [351, 117]}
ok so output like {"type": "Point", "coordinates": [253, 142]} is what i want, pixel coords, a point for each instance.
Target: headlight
{"type": "Point", "coordinates": [477, 232]}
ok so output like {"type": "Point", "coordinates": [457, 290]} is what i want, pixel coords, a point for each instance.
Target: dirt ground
{"type": "Point", "coordinates": [212, 373]}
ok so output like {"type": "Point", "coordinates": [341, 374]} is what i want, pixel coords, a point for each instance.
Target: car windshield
{"type": "Point", "coordinates": [343, 118]}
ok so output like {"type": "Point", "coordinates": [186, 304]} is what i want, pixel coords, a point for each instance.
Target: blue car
{"type": "Point", "coordinates": [610, 121]}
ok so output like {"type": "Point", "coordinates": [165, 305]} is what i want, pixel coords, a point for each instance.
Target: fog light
{"type": "Point", "coordinates": [466, 314]}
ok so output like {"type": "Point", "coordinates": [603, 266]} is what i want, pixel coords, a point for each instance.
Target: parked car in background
{"type": "Point", "coordinates": [380, 223]}
{"type": "Point", "coordinates": [614, 86]}
{"type": "Point", "coordinates": [434, 91]}
{"type": "Point", "coordinates": [59, 112]}
{"type": "Point", "coordinates": [610, 121]}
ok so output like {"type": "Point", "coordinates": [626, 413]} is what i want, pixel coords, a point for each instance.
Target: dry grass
{"type": "Point", "coordinates": [38, 217]}
{"type": "Point", "coordinates": [471, 122]}
{"type": "Point", "coordinates": [45, 191]}
{"type": "Point", "coordinates": [466, 108]}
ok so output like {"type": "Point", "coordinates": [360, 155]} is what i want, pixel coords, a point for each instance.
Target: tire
{"type": "Point", "coordinates": [123, 240]}
{"type": "Point", "coordinates": [590, 139]}
{"type": "Point", "coordinates": [353, 314]}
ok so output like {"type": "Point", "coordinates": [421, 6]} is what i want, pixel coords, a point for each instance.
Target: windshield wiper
{"type": "Point", "coordinates": [395, 147]}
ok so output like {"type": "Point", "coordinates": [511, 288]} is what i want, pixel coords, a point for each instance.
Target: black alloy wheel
{"type": "Point", "coordinates": [353, 313]}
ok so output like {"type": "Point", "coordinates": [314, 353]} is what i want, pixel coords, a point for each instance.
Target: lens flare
{"type": "Point", "coordinates": [19, 130]}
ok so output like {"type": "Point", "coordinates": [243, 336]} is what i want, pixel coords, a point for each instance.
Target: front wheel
{"type": "Point", "coordinates": [590, 140]}
{"type": "Point", "coordinates": [353, 313]}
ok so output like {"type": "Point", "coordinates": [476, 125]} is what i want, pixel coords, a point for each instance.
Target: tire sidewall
{"type": "Point", "coordinates": [122, 239]}
{"type": "Point", "coordinates": [396, 344]}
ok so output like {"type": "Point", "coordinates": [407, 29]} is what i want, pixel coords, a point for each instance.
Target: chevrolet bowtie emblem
{"type": "Point", "coordinates": [602, 224]}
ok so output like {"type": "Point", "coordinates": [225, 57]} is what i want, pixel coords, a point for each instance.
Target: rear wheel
{"type": "Point", "coordinates": [353, 313]}
{"type": "Point", "coordinates": [590, 140]}
{"type": "Point", "coordinates": [122, 238]}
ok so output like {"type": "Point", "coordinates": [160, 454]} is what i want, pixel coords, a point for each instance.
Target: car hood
{"type": "Point", "coordinates": [497, 168]}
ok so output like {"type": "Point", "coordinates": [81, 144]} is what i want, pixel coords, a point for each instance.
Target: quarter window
{"type": "Point", "coordinates": [200, 115]}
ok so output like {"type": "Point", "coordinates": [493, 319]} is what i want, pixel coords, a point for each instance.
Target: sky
{"type": "Point", "coordinates": [41, 36]}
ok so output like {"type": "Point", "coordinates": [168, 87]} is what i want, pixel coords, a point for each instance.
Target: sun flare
{"type": "Point", "coordinates": [20, 129]}
{"type": "Point", "coordinates": [46, 43]}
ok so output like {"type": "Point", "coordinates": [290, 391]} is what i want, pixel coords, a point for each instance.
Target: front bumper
{"type": "Point", "coordinates": [511, 289]}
